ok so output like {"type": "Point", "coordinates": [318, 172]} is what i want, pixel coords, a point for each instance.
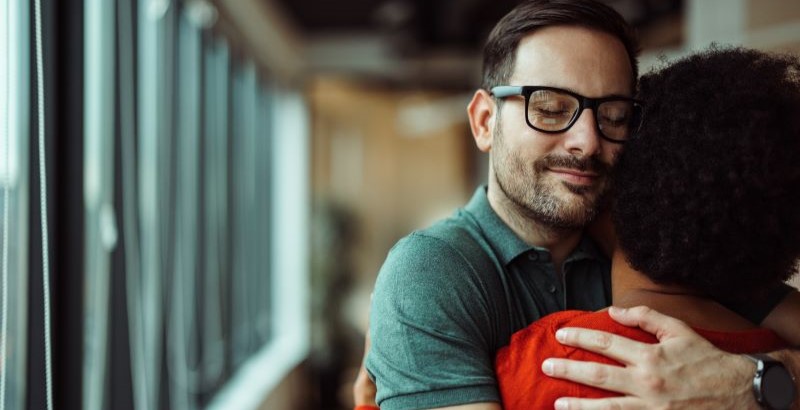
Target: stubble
{"type": "Point", "coordinates": [540, 197]}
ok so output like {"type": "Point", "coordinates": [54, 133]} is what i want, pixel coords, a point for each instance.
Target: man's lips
{"type": "Point", "coordinates": [575, 176]}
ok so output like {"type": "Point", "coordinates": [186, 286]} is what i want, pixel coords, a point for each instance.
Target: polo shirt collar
{"type": "Point", "coordinates": [587, 249]}
{"type": "Point", "coordinates": [507, 244]}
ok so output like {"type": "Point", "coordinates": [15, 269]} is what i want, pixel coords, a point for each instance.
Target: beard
{"type": "Point", "coordinates": [539, 196]}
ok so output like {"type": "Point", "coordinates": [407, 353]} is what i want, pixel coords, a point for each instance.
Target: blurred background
{"type": "Point", "coordinates": [197, 195]}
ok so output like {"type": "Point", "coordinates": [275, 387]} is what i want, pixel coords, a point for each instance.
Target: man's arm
{"type": "Point", "coordinates": [364, 389]}
{"type": "Point", "coordinates": [431, 324]}
{"type": "Point", "coordinates": [682, 371]}
{"type": "Point", "coordinates": [474, 406]}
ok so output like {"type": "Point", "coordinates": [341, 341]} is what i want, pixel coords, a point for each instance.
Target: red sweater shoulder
{"type": "Point", "coordinates": [523, 385]}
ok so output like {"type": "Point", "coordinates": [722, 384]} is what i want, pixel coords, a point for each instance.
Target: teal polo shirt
{"type": "Point", "coordinates": [449, 296]}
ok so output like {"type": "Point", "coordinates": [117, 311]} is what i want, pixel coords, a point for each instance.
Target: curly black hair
{"type": "Point", "coordinates": [708, 194]}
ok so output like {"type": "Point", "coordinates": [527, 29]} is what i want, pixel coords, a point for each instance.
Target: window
{"type": "Point", "coordinates": [14, 131]}
{"type": "Point", "coordinates": [100, 226]}
{"type": "Point", "coordinates": [215, 253]}
{"type": "Point", "coordinates": [162, 167]}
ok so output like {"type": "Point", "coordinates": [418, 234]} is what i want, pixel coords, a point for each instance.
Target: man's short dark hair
{"type": "Point", "coordinates": [708, 194]}
{"type": "Point", "coordinates": [499, 53]}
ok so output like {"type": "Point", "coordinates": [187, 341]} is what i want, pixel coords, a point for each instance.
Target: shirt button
{"type": "Point", "coordinates": [551, 288]}
{"type": "Point", "coordinates": [534, 256]}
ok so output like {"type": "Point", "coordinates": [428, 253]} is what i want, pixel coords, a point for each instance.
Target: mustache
{"type": "Point", "coordinates": [586, 164]}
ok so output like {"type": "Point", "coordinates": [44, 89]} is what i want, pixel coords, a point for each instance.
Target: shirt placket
{"type": "Point", "coordinates": [548, 284]}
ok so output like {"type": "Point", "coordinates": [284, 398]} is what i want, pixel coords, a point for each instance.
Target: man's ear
{"type": "Point", "coordinates": [482, 111]}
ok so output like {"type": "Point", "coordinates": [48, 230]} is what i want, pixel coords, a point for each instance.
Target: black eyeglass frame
{"type": "Point", "coordinates": [503, 91]}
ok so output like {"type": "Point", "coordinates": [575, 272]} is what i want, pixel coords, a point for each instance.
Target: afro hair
{"type": "Point", "coordinates": [707, 195]}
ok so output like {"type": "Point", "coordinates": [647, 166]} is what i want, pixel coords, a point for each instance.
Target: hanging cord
{"type": "Point", "coordinates": [48, 363]}
{"type": "Point", "coordinates": [6, 138]}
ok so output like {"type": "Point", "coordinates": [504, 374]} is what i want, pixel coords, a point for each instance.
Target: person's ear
{"type": "Point", "coordinates": [482, 110]}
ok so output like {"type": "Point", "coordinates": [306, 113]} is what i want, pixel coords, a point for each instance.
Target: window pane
{"type": "Point", "coordinates": [215, 214]}
{"type": "Point", "coordinates": [243, 203]}
{"type": "Point", "coordinates": [182, 320]}
{"type": "Point", "coordinates": [14, 131]}
{"type": "Point", "coordinates": [263, 142]}
{"type": "Point", "coordinates": [155, 54]}
{"type": "Point", "coordinates": [100, 219]}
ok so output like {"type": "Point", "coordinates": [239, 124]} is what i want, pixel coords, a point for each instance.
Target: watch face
{"type": "Point", "coordinates": [777, 387]}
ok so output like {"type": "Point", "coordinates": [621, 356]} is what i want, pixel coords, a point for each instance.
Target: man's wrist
{"type": "Point", "coordinates": [744, 369]}
{"type": "Point", "coordinates": [773, 384]}
{"type": "Point", "coordinates": [790, 358]}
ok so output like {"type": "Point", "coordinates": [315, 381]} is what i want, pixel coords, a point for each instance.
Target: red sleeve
{"type": "Point", "coordinates": [519, 365]}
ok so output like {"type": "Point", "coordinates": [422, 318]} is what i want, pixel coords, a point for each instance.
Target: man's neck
{"type": "Point", "coordinates": [560, 242]}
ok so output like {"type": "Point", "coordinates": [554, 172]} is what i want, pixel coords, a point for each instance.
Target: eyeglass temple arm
{"type": "Point", "coordinates": [502, 91]}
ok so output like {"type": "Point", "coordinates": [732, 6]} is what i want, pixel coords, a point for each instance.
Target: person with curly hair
{"type": "Point", "coordinates": [705, 208]}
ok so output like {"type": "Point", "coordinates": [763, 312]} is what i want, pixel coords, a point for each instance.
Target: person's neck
{"type": "Point", "coordinates": [630, 287]}
{"type": "Point", "coordinates": [560, 242]}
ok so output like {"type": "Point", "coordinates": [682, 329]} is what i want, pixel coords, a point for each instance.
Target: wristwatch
{"type": "Point", "coordinates": [773, 385]}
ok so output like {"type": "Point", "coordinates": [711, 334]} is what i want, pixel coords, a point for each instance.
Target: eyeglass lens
{"type": "Point", "coordinates": [552, 111]}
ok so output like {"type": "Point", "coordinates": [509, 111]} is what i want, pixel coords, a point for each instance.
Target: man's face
{"type": "Point", "coordinates": [559, 179]}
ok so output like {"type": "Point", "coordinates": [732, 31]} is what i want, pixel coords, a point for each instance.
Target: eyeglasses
{"type": "Point", "coordinates": [552, 110]}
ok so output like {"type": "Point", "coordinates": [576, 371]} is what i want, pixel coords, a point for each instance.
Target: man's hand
{"type": "Point", "coordinates": [682, 371]}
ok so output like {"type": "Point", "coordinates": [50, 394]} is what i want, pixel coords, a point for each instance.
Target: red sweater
{"type": "Point", "coordinates": [519, 365]}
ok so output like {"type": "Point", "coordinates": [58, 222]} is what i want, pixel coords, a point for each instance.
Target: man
{"type": "Point", "coordinates": [449, 296]}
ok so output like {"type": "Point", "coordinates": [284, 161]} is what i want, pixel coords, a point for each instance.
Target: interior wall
{"type": "Point", "coordinates": [385, 162]}
{"type": "Point", "coordinates": [389, 156]}
{"type": "Point", "coordinates": [377, 155]}
{"type": "Point", "coordinates": [774, 25]}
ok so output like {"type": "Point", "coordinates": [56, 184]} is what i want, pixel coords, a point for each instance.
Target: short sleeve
{"type": "Point", "coordinates": [522, 383]}
{"type": "Point", "coordinates": [430, 325]}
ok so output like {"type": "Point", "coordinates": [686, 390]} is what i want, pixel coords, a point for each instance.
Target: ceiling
{"type": "Point", "coordinates": [421, 42]}
{"type": "Point", "coordinates": [423, 23]}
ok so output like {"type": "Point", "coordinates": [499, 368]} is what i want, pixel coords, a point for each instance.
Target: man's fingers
{"type": "Point", "coordinates": [615, 347]}
{"type": "Point", "coordinates": [662, 326]}
{"type": "Point", "coordinates": [671, 371]}
{"type": "Point", "coordinates": [604, 376]}
{"type": "Point", "coordinates": [614, 403]}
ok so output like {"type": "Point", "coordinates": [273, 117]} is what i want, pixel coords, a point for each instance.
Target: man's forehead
{"type": "Point", "coordinates": [582, 60]}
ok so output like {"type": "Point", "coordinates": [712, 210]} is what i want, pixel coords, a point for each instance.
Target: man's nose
{"type": "Point", "coordinates": [583, 138]}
